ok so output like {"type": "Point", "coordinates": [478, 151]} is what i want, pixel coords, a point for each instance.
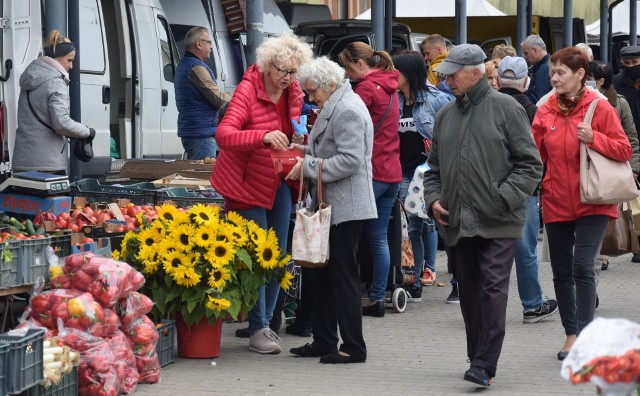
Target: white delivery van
{"type": "Point", "coordinates": [127, 63]}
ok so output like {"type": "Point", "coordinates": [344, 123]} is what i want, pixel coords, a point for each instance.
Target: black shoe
{"type": "Point", "coordinates": [597, 301]}
{"type": "Point", "coordinates": [548, 308]}
{"type": "Point", "coordinates": [307, 350]}
{"type": "Point", "coordinates": [478, 375]}
{"type": "Point", "coordinates": [562, 355]}
{"type": "Point", "coordinates": [243, 333]}
{"type": "Point", "coordinates": [376, 310]}
{"type": "Point", "coordinates": [454, 297]}
{"type": "Point", "coordinates": [415, 295]}
{"type": "Point", "coordinates": [337, 358]}
{"type": "Point", "coordinates": [635, 258]}
{"type": "Point", "coordinates": [300, 331]}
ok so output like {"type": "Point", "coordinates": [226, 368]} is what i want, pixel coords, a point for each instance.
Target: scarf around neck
{"type": "Point", "coordinates": [566, 105]}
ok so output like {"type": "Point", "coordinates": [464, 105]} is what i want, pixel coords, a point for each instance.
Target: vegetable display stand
{"type": "Point", "coordinates": [61, 244]}
{"type": "Point", "coordinates": [25, 355]}
{"type": "Point", "coordinates": [202, 340]}
{"type": "Point", "coordinates": [165, 348]}
{"type": "Point", "coordinates": [34, 260]}
{"type": "Point", "coordinates": [4, 369]}
{"type": "Point", "coordinates": [68, 386]}
{"type": "Point", "coordinates": [10, 268]}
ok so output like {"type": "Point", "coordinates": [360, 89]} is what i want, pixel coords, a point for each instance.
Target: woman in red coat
{"type": "Point", "coordinates": [259, 120]}
{"type": "Point", "coordinates": [574, 229]}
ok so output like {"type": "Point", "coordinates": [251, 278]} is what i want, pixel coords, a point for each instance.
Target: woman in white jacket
{"type": "Point", "coordinates": [44, 122]}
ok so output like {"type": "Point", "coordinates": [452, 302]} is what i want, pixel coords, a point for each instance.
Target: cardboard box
{"type": "Point", "coordinates": [178, 180]}
{"type": "Point", "coordinates": [32, 205]}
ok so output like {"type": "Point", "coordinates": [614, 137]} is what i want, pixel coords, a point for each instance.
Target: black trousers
{"type": "Point", "coordinates": [573, 247]}
{"type": "Point", "coordinates": [336, 294]}
{"type": "Point", "coordinates": [483, 267]}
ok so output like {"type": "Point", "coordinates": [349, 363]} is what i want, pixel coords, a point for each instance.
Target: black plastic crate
{"type": "Point", "coordinates": [68, 386]}
{"type": "Point", "coordinates": [61, 244]}
{"type": "Point", "coordinates": [34, 260]}
{"type": "Point", "coordinates": [186, 197]}
{"type": "Point", "coordinates": [4, 368]}
{"type": "Point", "coordinates": [165, 348]}
{"type": "Point", "coordinates": [25, 357]}
{"type": "Point", "coordinates": [11, 269]}
{"type": "Point", "coordinates": [93, 191]}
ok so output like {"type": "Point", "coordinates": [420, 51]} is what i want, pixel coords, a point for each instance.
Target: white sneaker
{"type": "Point", "coordinates": [265, 341]}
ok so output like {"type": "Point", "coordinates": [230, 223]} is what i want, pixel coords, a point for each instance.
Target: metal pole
{"type": "Point", "coordinates": [633, 23]}
{"type": "Point", "coordinates": [529, 17]}
{"type": "Point", "coordinates": [521, 29]}
{"type": "Point", "coordinates": [75, 168]}
{"type": "Point", "coordinates": [461, 21]}
{"type": "Point", "coordinates": [344, 13]}
{"type": "Point", "coordinates": [610, 30]}
{"type": "Point", "coordinates": [604, 31]}
{"type": "Point", "coordinates": [55, 17]}
{"type": "Point", "coordinates": [568, 23]}
{"type": "Point", "coordinates": [377, 23]}
{"type": "Point", "coordinates": [255, 28]}
{"type": "Point", "coordinates": [389, 6]}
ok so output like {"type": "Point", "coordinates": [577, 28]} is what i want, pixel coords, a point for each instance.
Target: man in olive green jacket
{"type": "Point", "coordinates": [484, 165]}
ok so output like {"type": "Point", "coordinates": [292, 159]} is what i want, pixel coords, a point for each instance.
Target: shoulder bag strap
{"type": "Point", "coordinates": [38, 118]}
{"type": "Point", "coordinates": [592, 109]}
{"type": "Point", "coordinates": [320, 186]}
{"type": "Point", "coordinates": [384, 116]}
{"type": "Point", "coordinates": [301, 187]}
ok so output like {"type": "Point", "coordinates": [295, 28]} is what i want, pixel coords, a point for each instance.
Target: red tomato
{"type": "Point", "coordinates": [88, 211]}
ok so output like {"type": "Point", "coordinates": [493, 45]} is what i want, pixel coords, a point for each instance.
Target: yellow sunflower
{"type": "Point", "coordinates": [239, 235]}
{"type": "Point", "coordinates": [185, 276]}
{"type": "Point", "coordinates": [268, 253]}
{"type": "Point", "coordinates": [148, 237]}
{"type": "Point", "coordinates": [285, 282]}
{"type": "Point", "coordinates": [224, 233]}
{"type": "Point", "coordinates": [158, 231]}
{"type": "Point", "coordinates": [182, 236]}
{"type": "Point", "coordinates": [284, 261]}
{"type": "Point", "coordinates": [219, 276]}
{"type": "Point", "coordinates": [219, 304]}
{"type": "Point", "coordinates": [220, 252]}
{"type": "Point", "coordinates": [167, 213]}
{"type": "Point", "coordinates": [203, 237]}
{"type": "Point", "coordinates": [204, 214]}
{"type": "Point", "coordinates": [173, 260]}
{"type": "Point", "coordinates": [180, 218]}
{"type": "Point", "coordinates": [115, 255]}
{"type": "Point", "coordinates": [236, 219]}
{"type": "Point", "coordinates": [256, 234]}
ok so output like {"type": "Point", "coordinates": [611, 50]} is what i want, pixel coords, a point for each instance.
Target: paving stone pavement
{"type": "Point", "coordinates": [419, 352]}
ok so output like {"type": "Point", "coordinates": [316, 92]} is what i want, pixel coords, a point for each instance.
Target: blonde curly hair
{"type": "Point", "coordinates": [283, 50]}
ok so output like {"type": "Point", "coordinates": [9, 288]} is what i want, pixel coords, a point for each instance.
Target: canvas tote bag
{"type": "Point", "coordinates": [310, 243]}
{"type": "Point", "coordinates": [603, 180]}
{"type": "Point", "coordinates": [620, 237]}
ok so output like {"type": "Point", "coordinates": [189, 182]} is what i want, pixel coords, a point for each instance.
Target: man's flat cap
{"type": "Point", "coordinates": [631, 51]}
{"type": "Point", "coordinates": [460, 56]}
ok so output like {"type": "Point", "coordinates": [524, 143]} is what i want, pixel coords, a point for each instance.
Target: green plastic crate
{"type": "Point", "coordinates": [4, 368]}
{"type": "Point", "coordinates": [24, 360]}
{"type": "Point", "coordinates": [11, 269]}
{"type": "Point", "coordinates": [165, 348]}
{"type": "Point", "coordinates": [34, 260]}
{"type": "Point", "coordinates": [68, 386]}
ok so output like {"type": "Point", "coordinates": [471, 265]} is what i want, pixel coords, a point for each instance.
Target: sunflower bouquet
{"type": "Point", "coordinates": [200, 264]}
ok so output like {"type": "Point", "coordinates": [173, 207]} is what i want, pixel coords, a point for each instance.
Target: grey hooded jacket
{"type": "Point", "coordinates": [38, 147]}
{"type": "Point", "coordinates": [342, 137]}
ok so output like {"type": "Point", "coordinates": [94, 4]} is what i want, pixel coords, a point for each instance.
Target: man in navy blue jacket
{"type": "Point", "coordinates": [198, 98]}
{"type": "Point", "coordinates": [535, 53]}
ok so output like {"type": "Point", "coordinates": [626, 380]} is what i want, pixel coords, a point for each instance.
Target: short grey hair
{"type": "Point", "coordinates": [535, 41]}
{"type": "Point", "coordinates": [515, 84]}
{"type": "Point", "coordinates": [586, 49]}
{"type": "Point", "coordinates": [470, 68]}
{"type": "Point", "coordinates": [322, 72]}
{"type": "Point", "coordinates": [194, 34]}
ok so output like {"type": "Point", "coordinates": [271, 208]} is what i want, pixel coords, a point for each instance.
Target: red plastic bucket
{"type": "Point", "coordinates": [201, 340]}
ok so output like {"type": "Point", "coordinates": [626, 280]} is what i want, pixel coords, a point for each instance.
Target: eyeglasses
{"type": "Point", "coordinates": [311, 92]}
{"type": "Point", "coordinates": [206, 41]}
{"type": "Point", "coordinates": [283, 72]}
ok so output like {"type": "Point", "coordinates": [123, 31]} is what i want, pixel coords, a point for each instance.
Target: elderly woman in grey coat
{"type": "Point", "coordinates": [44, 122]}
{"type": "Point", "coordinates": [342, 137]}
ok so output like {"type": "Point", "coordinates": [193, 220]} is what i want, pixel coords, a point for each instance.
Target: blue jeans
{"type": "Point", "coordinates": [527, 259]}
{"type": "Point", "coordinates": [385, 194]}
{"type": "Point", "coordinates": [198, 148]}
{"type": "Point", "coordinates": [277, 218]}
{"type": "Point", "coordinates": [423, 236]}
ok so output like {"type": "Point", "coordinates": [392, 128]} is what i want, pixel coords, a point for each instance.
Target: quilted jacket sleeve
{"type": "Point", "coordinates": [232, 133]}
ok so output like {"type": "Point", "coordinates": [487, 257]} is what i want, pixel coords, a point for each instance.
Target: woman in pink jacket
{"type": "Point", "coordinates": [574, 229]}
{"type": "Point", "coordinates": [259, 120]}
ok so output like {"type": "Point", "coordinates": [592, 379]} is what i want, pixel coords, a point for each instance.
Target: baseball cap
{"type": "Point", "coordinates": [515, 64]}
{"type": "Point", "coordinates": [631, 51]}
{"type": "Point", "coordinates": [460, 56]}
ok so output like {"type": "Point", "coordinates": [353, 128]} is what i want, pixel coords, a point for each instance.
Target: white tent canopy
{"type": "Point", "coordinates": [621, 14]}
{"type": "Point", "coordinates": [438, 8]}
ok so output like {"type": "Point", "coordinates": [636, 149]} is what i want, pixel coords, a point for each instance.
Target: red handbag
{"type": "Point", "coordinates": [284, 160]}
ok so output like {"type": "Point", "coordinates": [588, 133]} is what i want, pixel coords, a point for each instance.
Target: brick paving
{"type": "Point", "coordinates": [418, 352]}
